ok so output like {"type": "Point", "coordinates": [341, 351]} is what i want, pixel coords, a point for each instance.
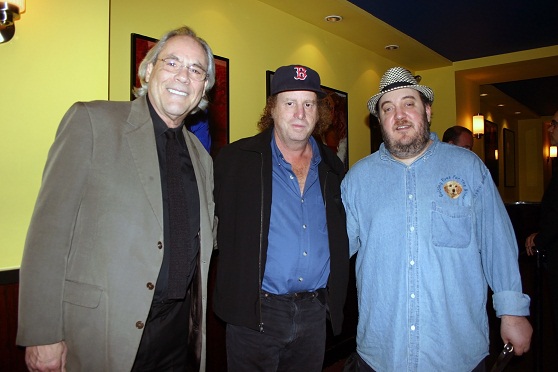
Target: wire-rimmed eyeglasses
{"type": "Point", "coordinates": [175, 66]}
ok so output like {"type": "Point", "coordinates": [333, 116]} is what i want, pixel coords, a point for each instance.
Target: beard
{"type": "Point", "coordinates": [405, 150]}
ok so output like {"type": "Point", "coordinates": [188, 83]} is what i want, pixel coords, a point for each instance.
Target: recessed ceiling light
{"type": "Point", "coordinates": [484, 94]}
{"type": "Point", "coordinates": [392, 47]}
{"type": "Point", "coordinates": [333, 18]}
{"type": "Point", "coordinates": [518, 112]}
{"type": "Point", "coordinates": [501, 105]}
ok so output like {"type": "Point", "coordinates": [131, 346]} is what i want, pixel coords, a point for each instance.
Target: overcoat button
{"type": "Point", "coordinates": [150, 286]}
{"type": "Point", "coordinates": [159, 245]}
{"type": "Point", "coordinates": [139, 324]}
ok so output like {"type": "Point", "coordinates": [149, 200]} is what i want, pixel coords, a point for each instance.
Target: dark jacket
{"type": "Point", "coordinates": [243, 179]}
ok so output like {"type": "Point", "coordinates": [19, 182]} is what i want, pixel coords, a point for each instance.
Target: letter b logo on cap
{"type": "Point", "coordinates": [300, 73]}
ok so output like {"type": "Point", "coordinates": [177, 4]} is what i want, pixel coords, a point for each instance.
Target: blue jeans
{"type": "Point", "coordinates": [293, 338]}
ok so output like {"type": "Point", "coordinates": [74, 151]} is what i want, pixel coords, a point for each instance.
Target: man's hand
{"type": "Point", "coordinates": [518, 331]}
{"type": "Point", "coordinates": [42, 358]}
{"type": "Point", "coordinates": [530, 244]}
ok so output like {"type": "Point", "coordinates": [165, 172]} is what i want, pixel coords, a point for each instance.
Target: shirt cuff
{"type": "Point", "coordinates": [511, 303]}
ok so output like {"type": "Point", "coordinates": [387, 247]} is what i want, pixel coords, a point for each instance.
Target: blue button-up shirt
{"type": "Point", "coordinates": [298, 248]}
{"type": "Point", "coordinates": [430, 237]}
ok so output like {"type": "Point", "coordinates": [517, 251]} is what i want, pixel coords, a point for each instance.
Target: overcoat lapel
{"type": "Point", "coordinates": [198, 170]}
{"type": "Point", "coordinates": [141, 139]}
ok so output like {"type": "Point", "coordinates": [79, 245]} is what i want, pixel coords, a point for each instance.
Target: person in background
{"type": "Point", "coordinates": [115, 265]}
{"type": "Point", "coordinates": [431, 233]}
{"type": "Point", "coordinates": [282, 240]}
{"type": "Point", "coordinates": [459, 136]}
{"type": "Point", "coordinates": [547, 236]}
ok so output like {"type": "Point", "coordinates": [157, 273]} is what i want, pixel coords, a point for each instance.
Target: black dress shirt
{"type": "Point", "coordinates": [189, 180]}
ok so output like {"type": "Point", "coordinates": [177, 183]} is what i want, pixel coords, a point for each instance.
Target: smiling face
{"type": "Point", "coordinates": [404, 122]}
{"type": "Point", "coordinates": [295, 115]}
{"type": "Point", "coordinates": [175, 95]}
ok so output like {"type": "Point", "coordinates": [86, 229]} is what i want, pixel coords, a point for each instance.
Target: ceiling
{"type": "Point", "coordinates": [432, 34]}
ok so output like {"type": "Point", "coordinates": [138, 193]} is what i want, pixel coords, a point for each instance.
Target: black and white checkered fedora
{"type": "Point", "coordinates": [397, 78]}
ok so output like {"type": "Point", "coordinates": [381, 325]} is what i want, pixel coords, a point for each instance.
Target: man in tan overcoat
{"type": "Point", "coordinates": [97, 269]}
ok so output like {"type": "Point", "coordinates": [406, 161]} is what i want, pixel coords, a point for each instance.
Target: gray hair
{"type": "Point", "coordinates": [153, 55]}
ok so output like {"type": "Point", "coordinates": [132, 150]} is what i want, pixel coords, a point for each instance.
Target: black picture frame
{"type": "Point", "coordinates": [490, 149]}
{"type": "Point", "coordinates": [219, 107]}
{"type": "Point", "coordinates": [336, 136]}
{"type": "Point", "coordinates": [509, 158]}
{"type": "Point", "coordinates": [141, 44]}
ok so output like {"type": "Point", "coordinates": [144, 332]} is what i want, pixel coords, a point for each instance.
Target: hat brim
{"type": "Point", "coordinates": [372, 102]}
{"type": "Point", "coordinates": [320, 93]}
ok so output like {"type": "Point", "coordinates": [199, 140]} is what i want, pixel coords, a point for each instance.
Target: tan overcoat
{"type": "Point", "coordinates": [95, 243]}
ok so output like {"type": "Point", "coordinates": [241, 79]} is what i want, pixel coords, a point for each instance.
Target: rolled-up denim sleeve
{"type": "Point", "coordinates": [499, 251]}
{"type": "Point", "coordinates": [511, 303]}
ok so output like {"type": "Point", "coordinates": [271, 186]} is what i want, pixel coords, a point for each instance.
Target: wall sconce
{"type": "Point", "coordinates": [9, 13]}
{"type": "Point", "coordinates": [552, 153]}
{"type": "Point", "coordinates": [496, 154]}
{"type": "Point", "coordinates": [478, 125]}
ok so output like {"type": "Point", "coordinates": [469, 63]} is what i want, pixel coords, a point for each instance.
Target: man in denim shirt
{"type": "Point", "coordinates": [431, 233]}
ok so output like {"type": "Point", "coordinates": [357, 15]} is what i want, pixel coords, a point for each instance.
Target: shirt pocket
{"type": "Point", "coordinates": [451, 225]}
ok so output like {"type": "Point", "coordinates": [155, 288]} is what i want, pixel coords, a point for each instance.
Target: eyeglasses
{"type": "Point", "coordinates": [174, 66]}
{"type": "Point", "coordinates": [553, 124]}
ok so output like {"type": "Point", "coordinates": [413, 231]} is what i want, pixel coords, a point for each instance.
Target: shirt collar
{"type": "Point", "coordinates": [278, 158]}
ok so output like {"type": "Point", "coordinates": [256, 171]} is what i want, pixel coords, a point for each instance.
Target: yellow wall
{"type": "Point", "coordinates": [441, 80]}
{"type": "Point", "coordinates": [53, 65]}
{"type": "Point", "coordinates": [86, 56]}
{"type": "Point", "coordinates": [255, 37]}
{"type": "Point", "coordinates": [58, 55]}
{"type": "Point", "coordinates": [531, 163]}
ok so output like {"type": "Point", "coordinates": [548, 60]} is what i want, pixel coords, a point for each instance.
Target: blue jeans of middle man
{"type": "Point", "coordinates": [293, 337]}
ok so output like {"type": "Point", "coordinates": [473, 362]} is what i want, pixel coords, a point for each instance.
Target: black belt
{"type": "Point", "coordinates": [319, 294]}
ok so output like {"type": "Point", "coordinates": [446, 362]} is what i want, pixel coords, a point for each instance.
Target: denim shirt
{"type": "Point", "coordinates": [430, 237]}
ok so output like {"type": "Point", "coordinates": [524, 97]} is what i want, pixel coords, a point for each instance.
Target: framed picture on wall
{"type": "Point", "coordinates": [509, 158]}
{"type": "Point", "coordinates": [217, 113]}
{"type": "Point", "coordinates": [140, 46]}
{"type": "Point", "coordinates": [491, 149]}
{"type": "Point", "coordinates": [218, 110]}
{"type": "Point", "coordinates": [336, 137]}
